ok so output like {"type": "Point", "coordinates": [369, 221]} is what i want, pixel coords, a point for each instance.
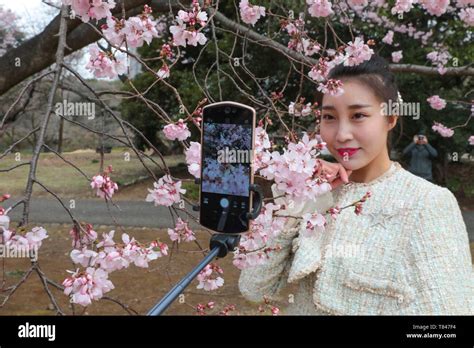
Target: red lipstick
{"type": "Point", "coordinates": [347, 151]}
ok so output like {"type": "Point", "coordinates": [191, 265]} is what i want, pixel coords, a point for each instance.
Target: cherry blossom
{"type": "Point", "coordinates": [181, 232]}
{"type": "Point", "coordinates": [86, 9]}
{"type": "Point", "coordinates": [186, 31]}
{"type": "Point", "coordinates": [103, 184]}
{"type": "Point", "coordinates": [357, 52]}
{"type": "Point", "coordinates": [397, 56]}
{"type": "Point", "coordinates": [319, 8]}
{"type": "Point", "coordinates": [436, 102]}
{"type": "Point", "coordinates": [103, 64]}
{"type": "Point", "coordinates": [402, 6]}
{"type": "Point", "coordinates": [138, 30]}
{"type": "Point", "coordinates": [164, 72]}
{"type": "Point", "coordinates": [35, 237]}
{"type": "Point", "coordinates": [178, 131]}
{"type": "Point", "coordinates": [320, 71]}
{"type": "Point", "coordinates": [471, 140]}
{"type": "Point", "coordinates": [332, 87]}
{"type": "Point", "coordinates": [299, 109]}
{"type": "Point", "coordinates": [439, 58]}
{"type": "Point", "coordinates": [435, 7]}
{"type": "Point", "coordinates": [91, 284]}
{"type": "Point", "coordinates": [165, 192]}
{"type": "Point", "coordinates": [442, 130]}
{"type": "Point", "coordinates": [294, 169]}
{"type": "Point", "coordinates": [207, 280]}
{"type": "Point", "coordinates": [467, 16]}
{"type": "Point", "coordinates": [250, 14]}
{"type": "Point", "coordinates": [193, 159]}
{"type": "Point", "coordinates": [313, 222]}
{"type": "Point", "coordinates": [83, 257]}
{"type": "Point", "coordinates": [388, 38]}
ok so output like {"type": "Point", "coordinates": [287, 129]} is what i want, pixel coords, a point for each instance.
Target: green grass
{"type": "Point", "coordinates": [65, 180]}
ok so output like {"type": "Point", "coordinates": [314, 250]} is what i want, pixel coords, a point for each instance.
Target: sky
{"type": "Point", "coordinates": [33, 16]}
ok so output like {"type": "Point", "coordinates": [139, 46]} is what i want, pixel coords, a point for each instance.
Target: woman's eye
{"type": "Point", "coordinates": [359, 116]}
{"type": "Point", "coordinates": [327, 117]}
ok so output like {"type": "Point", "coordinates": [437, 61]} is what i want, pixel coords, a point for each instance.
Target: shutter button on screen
{"type": "Point", "coordinates": [224, 203]}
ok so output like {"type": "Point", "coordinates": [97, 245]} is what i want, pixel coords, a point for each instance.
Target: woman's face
{"type": "Point", "coordinates": [354, 127]}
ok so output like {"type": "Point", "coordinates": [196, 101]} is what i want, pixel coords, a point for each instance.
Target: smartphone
{"type": "Point", "coordinates": [227, 150]}
{"type": "Point", "coordinates": [421, 137]}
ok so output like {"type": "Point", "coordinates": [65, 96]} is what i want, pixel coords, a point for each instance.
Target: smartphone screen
{"type": "Point", "coordinates": [226, 166]}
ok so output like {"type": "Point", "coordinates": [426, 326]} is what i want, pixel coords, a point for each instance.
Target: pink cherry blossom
{"type": "Point", "coordinates": [165, 192]}
{"type": "Point", "coordinates": [357, 52]}
{"type": "Point", "coordinates": [207, 280]}
{"type": "Point", "coordinates": [299, 109]}
{"type": "Point", "coordinates": [319, 72]}
{"type": "Point", "coordinates": [83, 287]}
{"type": "Point", "coordinates": [106, 65]}
{"type": "Point", "coordinates": [388, 38]}
{"type": "Point", "coordinates": [436, 102]}
{"type": "Point", "coordinates": [193, 159]}
{"type": "Point", "coordinates": [314, 223]}
{"type": "Point", "coordinates": [138, 30]}
{"type": "Point", "coordinates": [113, 31]}
{"type": "Point", "coordinates": [397, 56]}
{"type": "Point", "coordinates": [293, 170]}
{"type": "Point", "coordinates": [331, 87]}
{"type": "Point", "coordinates": [435, 7]}
{"type": "Point", "coordinates": [402, 6]}
{"type": "Point", "coordinates": [357, 3]}
{"type": "Point", "coordinates": [178, 131]}
{"type": "Point", "coordinates": [319, 8]}
{"type": "Point", "coordinates": [443, 130]}
{"type": "Point", "coordinates": [101, 9]}
{"type": "Point", "coordinates": [467, 16]}
{"type": "Point", "coordinates": [464, 3]}
{"type": "Point", "coordinates": [103, 184]}
{"type": "Point", "coordinates": [83, 257]}
{"type": "Point", "coordinates": [310, 47]}
{"type": "Point", "coordinates": [250, 14]}
{"type": "Point", "coordinates": [181, 232]}
{"type": "Point", "coordinates": [439, 58]}
{"type": "Point", "coordinates": [86, 9]}
{"type": "Point", "coordinates": [164, 72]}
{"type": "Point", "coordinates": [186, 30]}
{"type": "Point", "coordinates": [35, 237]}
{"type": "Point", "coordinates": [471, 140]}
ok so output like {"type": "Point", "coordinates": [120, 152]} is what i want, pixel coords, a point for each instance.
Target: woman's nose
{"type": "Point", "coordinates": [344, 133]}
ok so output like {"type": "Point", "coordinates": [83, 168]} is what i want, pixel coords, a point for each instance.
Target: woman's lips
{"type": "Point", "coordinates": [348, 151]}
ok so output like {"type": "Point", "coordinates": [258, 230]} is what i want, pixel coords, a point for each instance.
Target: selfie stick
{"type": "Point", "coordinates": [220, 245]}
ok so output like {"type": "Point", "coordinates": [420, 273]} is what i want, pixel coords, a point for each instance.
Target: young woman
{"type": "Point", "coordinates": [406, 253]}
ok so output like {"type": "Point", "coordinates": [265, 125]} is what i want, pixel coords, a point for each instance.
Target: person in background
{"type": "Point", "coordinates": [421, 154]}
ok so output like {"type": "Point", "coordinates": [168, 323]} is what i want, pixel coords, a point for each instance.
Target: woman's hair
{"type": "Point", "coordinates": [376, 75]}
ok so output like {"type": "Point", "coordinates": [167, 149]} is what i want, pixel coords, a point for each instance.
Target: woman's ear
{"type": "Point", "coordinates": [392, 121]}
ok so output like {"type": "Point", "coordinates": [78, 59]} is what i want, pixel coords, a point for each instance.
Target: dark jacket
{"type": "Point", "coordinates": [420, 159]}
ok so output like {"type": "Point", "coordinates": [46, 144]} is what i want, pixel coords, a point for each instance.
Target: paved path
{"type": "Point", "coordinates": [133, 213]}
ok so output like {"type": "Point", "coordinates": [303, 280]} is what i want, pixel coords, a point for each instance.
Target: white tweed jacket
{"type": "Point", "coordinates": [406, 254]}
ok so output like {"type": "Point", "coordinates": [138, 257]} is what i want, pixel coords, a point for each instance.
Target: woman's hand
{"type": "Point", "coordinates": [335, 173]}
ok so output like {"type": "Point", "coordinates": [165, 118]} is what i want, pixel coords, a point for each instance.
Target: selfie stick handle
{"type": "Point", "coordinates": [220, 245]}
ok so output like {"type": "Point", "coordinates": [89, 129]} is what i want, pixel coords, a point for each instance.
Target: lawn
{"type": "Point", "coordinates": [65, 180]}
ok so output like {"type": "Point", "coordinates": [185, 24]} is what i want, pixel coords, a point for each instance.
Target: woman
{"type": "Point", "coordinates": [406, 253]}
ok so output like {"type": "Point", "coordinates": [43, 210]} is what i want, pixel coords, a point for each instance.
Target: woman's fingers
{"type": "Point", "coordinates": [336, 174]}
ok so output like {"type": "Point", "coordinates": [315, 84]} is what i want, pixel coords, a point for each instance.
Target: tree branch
{"type": "Point", "coordinates": [38, 52]}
